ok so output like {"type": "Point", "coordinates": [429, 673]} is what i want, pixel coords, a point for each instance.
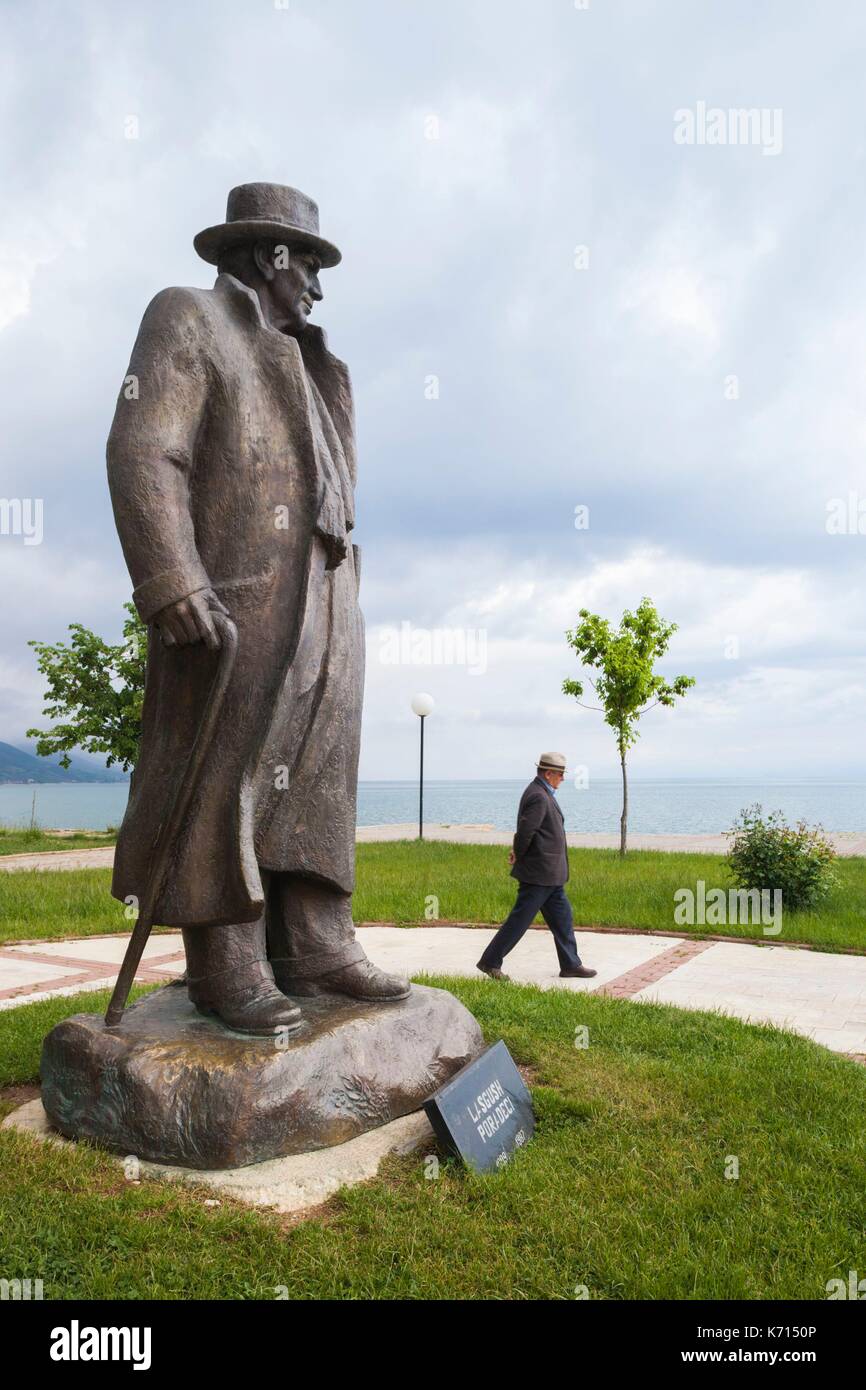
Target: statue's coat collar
{"type": "Point", "coordinates": [245, 303]}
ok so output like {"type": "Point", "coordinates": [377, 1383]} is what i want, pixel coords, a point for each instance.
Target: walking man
{"type": "Point", "coordinates": [539, 860]}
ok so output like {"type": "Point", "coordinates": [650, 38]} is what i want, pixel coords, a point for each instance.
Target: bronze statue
{"type": "Point", "coordinates": [231, 462]}
{"type": "Point", "coordinates": [232, 466]}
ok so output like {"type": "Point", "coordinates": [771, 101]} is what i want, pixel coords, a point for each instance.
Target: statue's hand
{"type": "Point", "coordinates": [189, 620]}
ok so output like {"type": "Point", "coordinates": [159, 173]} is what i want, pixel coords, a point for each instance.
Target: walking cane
{"type": "Point", "coordinates": [171, 827]}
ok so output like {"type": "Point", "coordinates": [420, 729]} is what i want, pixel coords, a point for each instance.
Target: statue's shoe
{"type": "Point", "coordinates": [247, 1005]}
{"type": "Point", "coordinates": [265, 1018]}
{"type": "Point", "coordinates": [360, 980]}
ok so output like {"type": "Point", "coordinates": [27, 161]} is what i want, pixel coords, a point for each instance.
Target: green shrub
{"type": "Point", "coordinates": [766, 852]}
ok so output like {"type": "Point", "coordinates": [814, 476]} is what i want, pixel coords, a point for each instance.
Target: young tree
{"type": "Point", "coordinates": [97, 689]}
{"type": "Point", "coordinates": [626, 684]}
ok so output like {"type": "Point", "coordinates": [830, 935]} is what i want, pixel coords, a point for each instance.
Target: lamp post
{"type": "Point", "coordinates": [422, 705]}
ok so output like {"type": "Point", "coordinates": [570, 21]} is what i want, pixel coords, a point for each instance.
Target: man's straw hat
{"type": "Point", "coordinates": [551, 762]}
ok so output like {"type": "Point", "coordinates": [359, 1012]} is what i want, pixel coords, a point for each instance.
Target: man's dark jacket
{"type": "Point", "coordinates": [540, 849]}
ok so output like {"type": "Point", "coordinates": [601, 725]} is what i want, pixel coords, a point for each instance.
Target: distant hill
{"type": "Point", "coordinates": [18, 766]}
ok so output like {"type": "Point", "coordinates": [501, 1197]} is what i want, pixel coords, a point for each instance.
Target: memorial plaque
{"type": "Point", "coordinates": [484, 1112]}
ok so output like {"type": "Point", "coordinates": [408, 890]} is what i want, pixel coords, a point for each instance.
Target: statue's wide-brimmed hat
{"type": "Point", "coordinates": [266, 211]}
{"type": "Point", "coordinates": [551, 762]}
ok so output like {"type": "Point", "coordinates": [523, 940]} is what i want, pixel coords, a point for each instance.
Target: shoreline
{"type": "Point", "coordinates": [848, 844]}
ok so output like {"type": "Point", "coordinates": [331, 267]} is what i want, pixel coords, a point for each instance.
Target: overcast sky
{"type": "Point", "coordinates": [670, 334]}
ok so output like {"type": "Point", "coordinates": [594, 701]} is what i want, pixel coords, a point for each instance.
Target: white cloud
{"type": "Point", "coordinates": [793, 672]}
{"type": "Point", "coordinates": [689, 284]}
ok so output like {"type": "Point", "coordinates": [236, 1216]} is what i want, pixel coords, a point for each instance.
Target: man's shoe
{"type": "Point", "coordinates": [582, 972]}
{"type": "Point", "coordinates": [247, 1001]}
{"type": "Point", "coordinates": [493, 971]}
{"type": "Point", "coordinates": [360, 980]}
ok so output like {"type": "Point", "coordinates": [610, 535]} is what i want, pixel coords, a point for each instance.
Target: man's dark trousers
{"type": "Point", "coordinates": [554, 907]}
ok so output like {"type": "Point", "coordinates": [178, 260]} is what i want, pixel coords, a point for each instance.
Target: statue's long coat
{"type": "Point", "coordinates": [219, 479]}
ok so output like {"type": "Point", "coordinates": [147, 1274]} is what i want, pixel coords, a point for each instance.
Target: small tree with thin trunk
{"type": "Point", "coordinates": [626, 683]}
{"type": "Point", "coordinates": [97, 689]}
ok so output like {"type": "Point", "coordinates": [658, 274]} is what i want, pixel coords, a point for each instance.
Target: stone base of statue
{"type": "Point", "coordinates": [172, 1086]}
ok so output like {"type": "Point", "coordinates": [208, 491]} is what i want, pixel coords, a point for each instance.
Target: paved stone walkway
{"type": "Point", "coordinates": [59, 859]}
{"type": "Point", "coordinates": [820, 995]}
{"type": "Point", "coordinates": [847, 843]}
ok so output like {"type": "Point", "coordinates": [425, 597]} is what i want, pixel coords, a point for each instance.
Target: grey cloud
{"type": "Point", "coordinates": [557, 386]}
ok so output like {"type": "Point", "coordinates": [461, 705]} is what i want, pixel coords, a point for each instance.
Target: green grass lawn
{"type": "Point", "coordinates": [471, 883]}
{"type": "Point", "coordinates": [622, 1191]}
{"type": "Point", "coordinates": [14, 840]}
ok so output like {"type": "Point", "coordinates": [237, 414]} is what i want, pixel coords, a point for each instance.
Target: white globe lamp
{"type": "Point", "coordinates": [422, 705]}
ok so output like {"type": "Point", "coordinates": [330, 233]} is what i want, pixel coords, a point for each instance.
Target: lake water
{"type": "Point", "coordinates": [660, 807]}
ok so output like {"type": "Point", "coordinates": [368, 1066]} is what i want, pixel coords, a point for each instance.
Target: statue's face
{"type": "Point", "coordinates": [294, 288]}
